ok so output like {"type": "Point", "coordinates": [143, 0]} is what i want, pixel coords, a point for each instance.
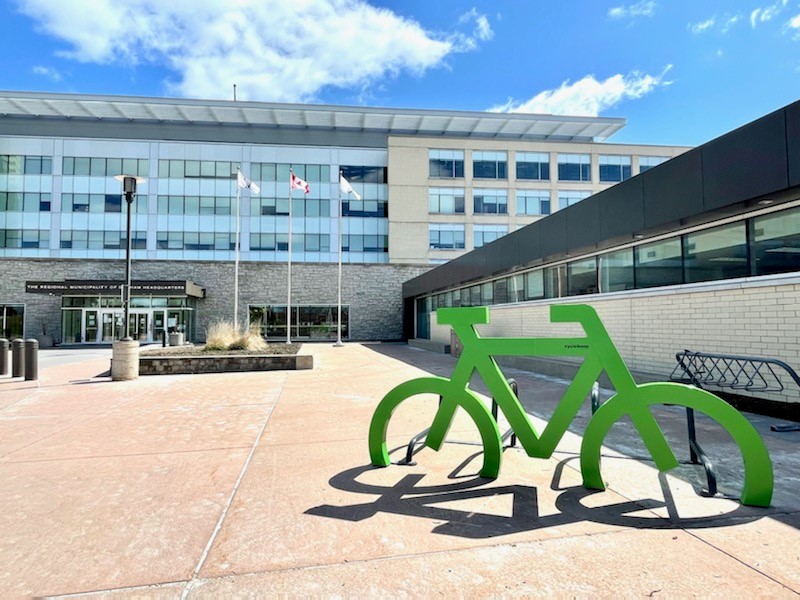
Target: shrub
{"type": "Point", "coordinates": [224, 335]}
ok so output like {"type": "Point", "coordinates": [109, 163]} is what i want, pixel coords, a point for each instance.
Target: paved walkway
{"type": "Point", "coordinates": [259, 484]}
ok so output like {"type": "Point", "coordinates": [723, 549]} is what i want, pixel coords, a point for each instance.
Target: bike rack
{"type": "Point", "coordinates": [420, 437]}
{"type": "Point", "coordinates": [748, 373]}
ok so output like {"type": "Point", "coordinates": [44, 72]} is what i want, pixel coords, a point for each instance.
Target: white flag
{"type": "Point", "coordinates": [245, 183]}
{"type": "Point", "coordinates": [346, 188]}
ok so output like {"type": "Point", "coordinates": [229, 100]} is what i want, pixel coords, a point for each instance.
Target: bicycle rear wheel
{"type": "Point", "coordinates": [758, 475]}
{"type": "Point", "coordinates": [451, 400]}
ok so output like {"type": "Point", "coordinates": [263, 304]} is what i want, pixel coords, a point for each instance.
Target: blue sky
{"type": "Point", "coordinates": [680, 71]}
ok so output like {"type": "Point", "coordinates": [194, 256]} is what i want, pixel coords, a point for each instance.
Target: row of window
{"type": "Point", "coordinates": [535, 166]}
{"type": "Point", "coordinates": [29, 238]}
{"type": "Point", "coordinates": [313, 322]}
{"type": "Point", "coordinates": [447, 236]}
{"type": "Point", "coordinates": [24, 201]}
{"type": "Point", "coordinates": [102, 240]}
{"type": "Point", "coordinates": [11, 164]}
{"type": "Point", "coordinates": [529, 202]}
{"type": "Point", "coordinates": [762, 245]}
{"type": "Point", "coordinates": [268, 172]}
{"type": "Point", "coordinates": [318, 242]}
{"type": "Point", "coordinates": [105, 167]}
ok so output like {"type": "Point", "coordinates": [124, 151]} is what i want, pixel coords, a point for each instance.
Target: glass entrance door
{"type": "Point", "coordinates": [139, 326]}
{"type": "Point", "coordinates": [91, 325]}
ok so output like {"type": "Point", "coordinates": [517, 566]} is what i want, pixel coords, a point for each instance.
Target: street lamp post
{"type": "Point", "coordinates": [129, 188]}
{"type": "Point", "coordinates": [125, 353]}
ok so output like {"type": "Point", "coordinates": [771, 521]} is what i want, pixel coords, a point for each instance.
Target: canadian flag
{"type": "Point", "coordinates": [296, 183]}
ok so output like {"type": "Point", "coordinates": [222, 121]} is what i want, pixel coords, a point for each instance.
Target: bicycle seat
{"type": "Point", "coordinates": [473, 315]}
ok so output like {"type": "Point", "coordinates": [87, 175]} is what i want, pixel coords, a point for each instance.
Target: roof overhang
{"type": "Point", "coordinates": [390, 121]}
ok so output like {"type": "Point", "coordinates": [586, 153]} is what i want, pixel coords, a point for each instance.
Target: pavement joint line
{"type": "Point", "coordinates": [121, 455]}
{"type": "Point", "coordinates": [448, 551]}
{"type": "Point", "coordinates": [133, 588]}
{"type": "Point", "coordinates": [742, 562]}
{"type": "Point", "coordinates": [190, 584]}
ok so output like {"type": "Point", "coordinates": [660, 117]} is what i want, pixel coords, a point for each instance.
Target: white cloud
{"type": "Point", "coordinates": [272, 49]}
{"type": "Point", "coordinates": [794, 23]}
{"type": "Point", "coordinates": [702, 26]}
{"type": "Point", "coordinates": [48, 72]}
{"type": "Point", "coordinates": [766, 13]}
{"type": "Point", "coordinates": [588, 96]}
{"type": "Point", "coordinates": [645, 8]}
{"type": "Point", "coordinates": [730, 22]}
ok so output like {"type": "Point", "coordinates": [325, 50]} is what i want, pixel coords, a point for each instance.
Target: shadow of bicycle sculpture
{"type": "Point", "coordinates": [408, 497]}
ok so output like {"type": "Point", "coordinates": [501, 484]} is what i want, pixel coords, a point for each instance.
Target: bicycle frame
{"type": "Point", "coordinates": [597, 348]}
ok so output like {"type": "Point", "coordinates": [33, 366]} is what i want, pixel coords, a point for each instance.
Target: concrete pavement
{"type": "Point", "coordinates": [258, 484]}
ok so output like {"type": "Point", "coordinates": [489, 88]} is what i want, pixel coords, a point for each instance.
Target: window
{"type": "Point", "coordinates": [197, 205]}
{"type": "Point", "coordinates": [99, 203]}
{"type": "Point", "coordinates": [363, 174]}
{"type": "Point", "coordinates": [533, 202]}
{"type": "Point", "coordinates": [533, 165]}
{"type": "Point", "coordinates": [483, 234]}
{"type": "Point", "coordinates": [659, 263]}
{"type": "Point", "coordinates": [27, 202]}
{"type": "Point", "coordinates": [614, 168]}
{"type": "Point", "coordinates": [775, 242]}
{"type": "Point", "coordinates": [490, 202]}
{"type": "Point", "coordinates": [269, 172]}
{"type": "Point", "coordinates": [718, 253]}
{"type": "Point", "coordinates": [616, 271]}
{"type": "Point", "coordinates": [362, 208]}
{"type": "Point", "coordinates": [555, 281]}
{"type": "Point", "coordinates": [12, 317]}
{"type": "Point", "coordinates": [574, 167]}
{"type": "Point", "coordinates": [310, 322]}
{"type": "Point", "coordinates": [648, 162]}
{"type": "Point", "coordinates": [516, 288]}
{"type": "Point", "coordinates": [105, 167]}
{"type": "Point", "coordinates": [582, 277]}
{"type": "Point", "coordinates": [444, 236]}
{"type": "Point", "coordinates": [444, 200]}
{"type": "Point", "coordinates": [569, 197]}
{"type": "Point", "coordinates": [206, 169]}
{"type": "Point", "coordinates": [25, 165]}
{"type": "Point", "coordinates": [186, 240]}
{"type": "Point", "coordinates": [28, 238]}
{"type": "Point", "coordinates": [101, 240]}
{"type": "Point", "coordinates": [365, 243]}
{"type": "Point", "coordinates": [489, 165]}
{"type": "Point", "coordinates": [534, 285]}
{"type": "Point", "coordinates": [446, 163]}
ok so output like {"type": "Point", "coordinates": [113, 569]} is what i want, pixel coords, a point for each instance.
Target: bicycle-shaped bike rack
{"type": "Point", "coordinates": [600, 355]}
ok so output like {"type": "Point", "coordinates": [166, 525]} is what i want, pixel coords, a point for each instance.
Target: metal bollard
{"type": "Point", "coordinates": [31, 360]}
{"type": "Point", "coordinates": [4, 346]}
{"type": "Point", "coordinates": [17, 358]}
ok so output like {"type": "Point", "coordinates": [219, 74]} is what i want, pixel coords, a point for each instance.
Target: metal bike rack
{"type": "Point", "coordinates": [420, 437]}
{"type": "Point", "coordinates": [727, 371]}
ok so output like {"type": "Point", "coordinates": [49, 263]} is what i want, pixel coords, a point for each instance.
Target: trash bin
{"type": "Point", "coordinates": [176, 339]}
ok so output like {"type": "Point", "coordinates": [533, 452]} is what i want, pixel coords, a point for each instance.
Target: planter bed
{"type": "Point", "coordinates": [155, 363]}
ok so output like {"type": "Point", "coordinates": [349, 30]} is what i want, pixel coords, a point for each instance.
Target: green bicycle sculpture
{"type": "Point", "coordinates": [599, 354]}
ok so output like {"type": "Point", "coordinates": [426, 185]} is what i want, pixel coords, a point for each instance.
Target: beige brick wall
{"type": "Point", "coordinates": [754, 317]}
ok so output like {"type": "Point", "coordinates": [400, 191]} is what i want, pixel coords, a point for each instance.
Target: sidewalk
{"type": "Point", "coordinates": [259, 484]}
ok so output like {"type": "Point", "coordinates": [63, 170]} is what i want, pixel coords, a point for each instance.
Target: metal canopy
{"type": "Point", "coordinates": [391, 121]}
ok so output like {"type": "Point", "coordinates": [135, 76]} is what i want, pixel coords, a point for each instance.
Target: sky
{"type": "Point", "coordinates": [682, 72]}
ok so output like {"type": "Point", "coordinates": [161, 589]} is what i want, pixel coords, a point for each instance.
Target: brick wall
{"type": "Point", "coordinates": [757, 317]}
{"type": "Point", "coordinates": [373, 291]}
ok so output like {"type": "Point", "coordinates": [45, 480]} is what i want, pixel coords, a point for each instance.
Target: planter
{"type": "Point", "coordinates": [223, 363]}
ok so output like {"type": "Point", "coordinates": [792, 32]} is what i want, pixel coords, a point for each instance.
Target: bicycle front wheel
{"type": "Point", "coordinates": [451, 400]}
{"type": "Point", "coordinates": [758, 475]}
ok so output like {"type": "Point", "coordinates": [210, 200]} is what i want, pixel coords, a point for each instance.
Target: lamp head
{"type": "Point", "coordinates": [129, 182]}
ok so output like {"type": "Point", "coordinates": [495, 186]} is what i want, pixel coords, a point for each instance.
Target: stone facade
{"type": "Point", "coordinates": [373, 291]}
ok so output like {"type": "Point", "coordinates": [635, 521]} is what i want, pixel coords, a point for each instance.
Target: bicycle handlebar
{"type": "Point", "coordinates": [479, 315]}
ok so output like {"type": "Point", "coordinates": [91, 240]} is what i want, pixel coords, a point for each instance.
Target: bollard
{"type": "Point", "coordinates": [4, 346]}
{"type": "Point", "coordinates": [17, 358]}
{"type": "Point", "coordinates": [125, 360]}
{"type": "Point", "coordinates": [31, 360]}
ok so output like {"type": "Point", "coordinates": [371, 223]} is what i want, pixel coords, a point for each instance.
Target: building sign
{"type": "Point", "coordinates": [74, 287]}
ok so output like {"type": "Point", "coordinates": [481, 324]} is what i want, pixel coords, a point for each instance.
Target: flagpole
{"type": "Point", "coordinates": [236, 259]}
{"type": "Point", "coordinates": [339, 303]}
{"type": "Point", "coordinates": [289, 280]}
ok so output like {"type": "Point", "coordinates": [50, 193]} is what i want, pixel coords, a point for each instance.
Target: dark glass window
{"type": "Point", "coordinates": [574, 167]}
{"type": "Point", "coordinates": [364, 174]}
{"type": "Point", "coordinates": [492, 202]}
{"type": "Point", "coordinates": [446, 163]}
{"type": "Point", "coordinates": [775, 242]}
{"type": "Point", "coordinates": [614, 168]}
{"type": "Point", "coordinates": [582, 277]}
{"type": "Point", "coordinates": [489, 165]}
{"type": "Point", "coordinates": [534, 285]}
{"type": "Point", "coordinates": [718, 253]}
{"type": "Point", "coordinates": [555, 282]}
{"type": "Point", "coordinates": [446, 237]}
{"type": "Point", "coordinates": [533, 165]}
{"type": "Point", "coordinates": [616, 271]}
{"type": "Point", "coordinates": [659, 263]}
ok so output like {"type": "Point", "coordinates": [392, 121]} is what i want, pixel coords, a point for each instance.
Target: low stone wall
{"type": "Point", "coordinates": [233, 363]}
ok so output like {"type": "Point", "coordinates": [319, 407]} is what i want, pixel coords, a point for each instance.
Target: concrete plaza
{"type": "Point", "coordinates": [259, 484]}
